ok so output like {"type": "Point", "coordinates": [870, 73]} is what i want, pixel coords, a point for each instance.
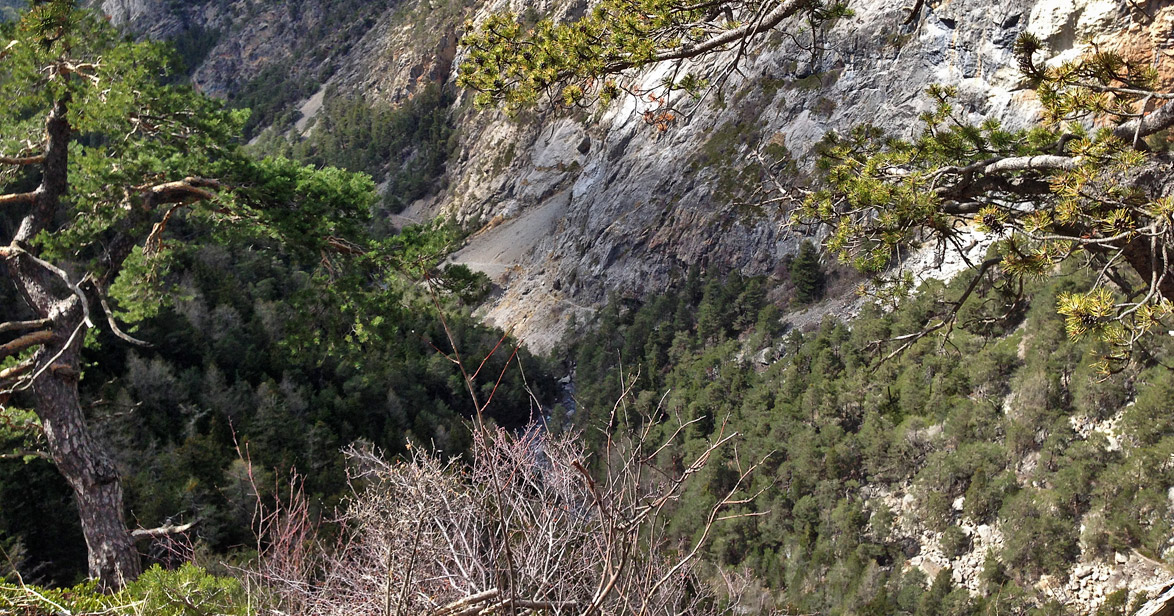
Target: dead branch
{"type": "Point", "coordinates": [522, 527]}
{"type": "Point", "coordinates": [773, 18]}
{"type": "Point", "coordinates": [464, 602]}
{"type": "Point", "coordinates": [114, 328]}
{"type": "Point", "coordinates": [179, 193]}
{"type": "Point", "coordinates": [439, 523]}
{"type": "Point", "coordinates": [26, 197]}
{"type": "Point", "coordinates": [914, 12]}
{"type": "Point", "coordinates": [344, 246]}
{"type": "Point", "coordinates": [27, 382]}
{"type": "Point", "coordinates": [1027, 163]}
{"type": "Point", "coordinates": [21, 454]}
{"type": "Point", "coordinates": [188, 189]}
{"type": "Point", "coordinates": [162, 531]}
{"type": "Point", "coordinates": [12, 372]}
{"type": "Point", "coordinates": [22, 160]}
{"type": "Point", "coordinates": [1138, 128]}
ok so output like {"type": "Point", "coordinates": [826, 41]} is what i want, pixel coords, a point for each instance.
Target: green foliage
{"type": "Point", "coordinates": [940, 421]}
{"type": "Point", "coordinates": [187, 591]}
{"type": "Point", "coordinates": [1039, 537]}
{"type": "Point", "coordinates": [255, 340]}
{"type": "Point", "coordinates": [271, 95]}
{"type": "Point", "coordinates": [955, 542]}
{"type": "Point", "coordinates": [514, 62]}
{"type": "Point", "coordinates": [1115, 604]}
{"type": "Point", "coordinates": [469, 287]}
{"type": "Point", "coordinates": [266, 302]}
{"type": "Point", "coordinates": [1046, 193]}
{"type": "Point", "coordinates": [193, 45]}
{"type": "Point", "coordinates": [806, 274]}
{"type": "Point", "coordinates": [187, 136]}
{"type": "Point", "coordinates": [405, 146]}
{"type": "Point", "coordinates": [40, 535]}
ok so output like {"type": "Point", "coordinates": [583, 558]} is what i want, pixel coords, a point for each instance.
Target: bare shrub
{"type": "Point", "coordinates": [522, 528]}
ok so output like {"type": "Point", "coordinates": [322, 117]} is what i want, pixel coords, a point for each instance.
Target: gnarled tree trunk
{"type": "Point", "coordinates": [113, 559]}
{"type": "Point", "coordinates": [48, 293]}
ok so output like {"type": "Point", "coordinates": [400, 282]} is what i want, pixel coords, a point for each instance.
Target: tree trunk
{"type": "Point", "coordinates": [81, 459]}
{"type": "Point", "coordinates": [113, 559]}
{"type": "Point", "coordinates": [1141, 257]}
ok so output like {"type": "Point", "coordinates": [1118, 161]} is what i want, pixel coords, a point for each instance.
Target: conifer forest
{"type": "Point", "coordinates": [586, 307]}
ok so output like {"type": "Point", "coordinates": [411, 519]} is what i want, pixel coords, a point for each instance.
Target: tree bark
{"type": "Point", "coordinates": [113, 559]}
{"type": "Point", "coordinates": [81, 459]}
{"type": "Point", "coordinates": [1139, 255]}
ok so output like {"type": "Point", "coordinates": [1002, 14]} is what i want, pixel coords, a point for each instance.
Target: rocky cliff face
{"type": "Point", "coordinates": [641, 205]}
{"type": "Point", "coordinates": [255, 34]}
{"type": "Point", "coordinates": [380, 49]}
{"type": "Point", "coordinates": [582, 207]}
{"type": "Point", "coordinates": [572, 208]}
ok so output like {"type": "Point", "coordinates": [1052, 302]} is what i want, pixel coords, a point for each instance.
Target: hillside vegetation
{"type": "Point", "coordinates": [304, 412]}
{"type": "Point", "coordinates": [997, 455]}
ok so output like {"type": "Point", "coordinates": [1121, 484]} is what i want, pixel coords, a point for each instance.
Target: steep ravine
{"type": "Point", "coordinates": [571, 209]}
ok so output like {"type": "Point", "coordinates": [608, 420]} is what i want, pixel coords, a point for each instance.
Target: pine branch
{"type": "Point", "coordinates": [181, 191]}
{"type": "Point", "coordinates": [772, 19]}
{"type": "Point", "coordinates": [26, 341]}
{"type": "Point", "coordinates": [22, 160]}
{"type": "Point", "coordinates": [12, 372]}
{"type": "Point", "coordinates": [26, 197]}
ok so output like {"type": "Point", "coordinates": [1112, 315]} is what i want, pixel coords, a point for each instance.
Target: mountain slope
{"type": "Point", "coordinates": [640, 205]}
{"type": "Point", "coordinates": [569, 209]}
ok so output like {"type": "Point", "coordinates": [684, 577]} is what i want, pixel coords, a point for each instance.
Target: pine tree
{"type": "Point", "coordinates": [807, 275]}
{"type": "Point", "coordinates": [97, 158]}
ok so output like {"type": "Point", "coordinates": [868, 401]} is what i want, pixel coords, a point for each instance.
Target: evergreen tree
{"type": "Point", "coordinates": [806, 274]}
{"type": "Point", "coordinates": [98, 157]}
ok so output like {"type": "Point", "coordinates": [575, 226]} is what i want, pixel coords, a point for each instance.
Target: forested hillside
{"type": "Point", "coordinates": [267, 331]}
{"type": "Point", "coordinates": [948, 479]}
{"type": "Point", "coordinates": [480, 308]}
{"type": "Point", "coordinates": [260, 355]}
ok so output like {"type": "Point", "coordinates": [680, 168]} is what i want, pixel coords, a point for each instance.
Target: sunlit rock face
{"type": "Point", "coordinates": [642, 205]}
{"type": "Point", "coordinates": [573, 208]}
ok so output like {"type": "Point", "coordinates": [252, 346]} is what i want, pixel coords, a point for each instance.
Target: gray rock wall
{"type": "Point", "coordinates": [645, 205]}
